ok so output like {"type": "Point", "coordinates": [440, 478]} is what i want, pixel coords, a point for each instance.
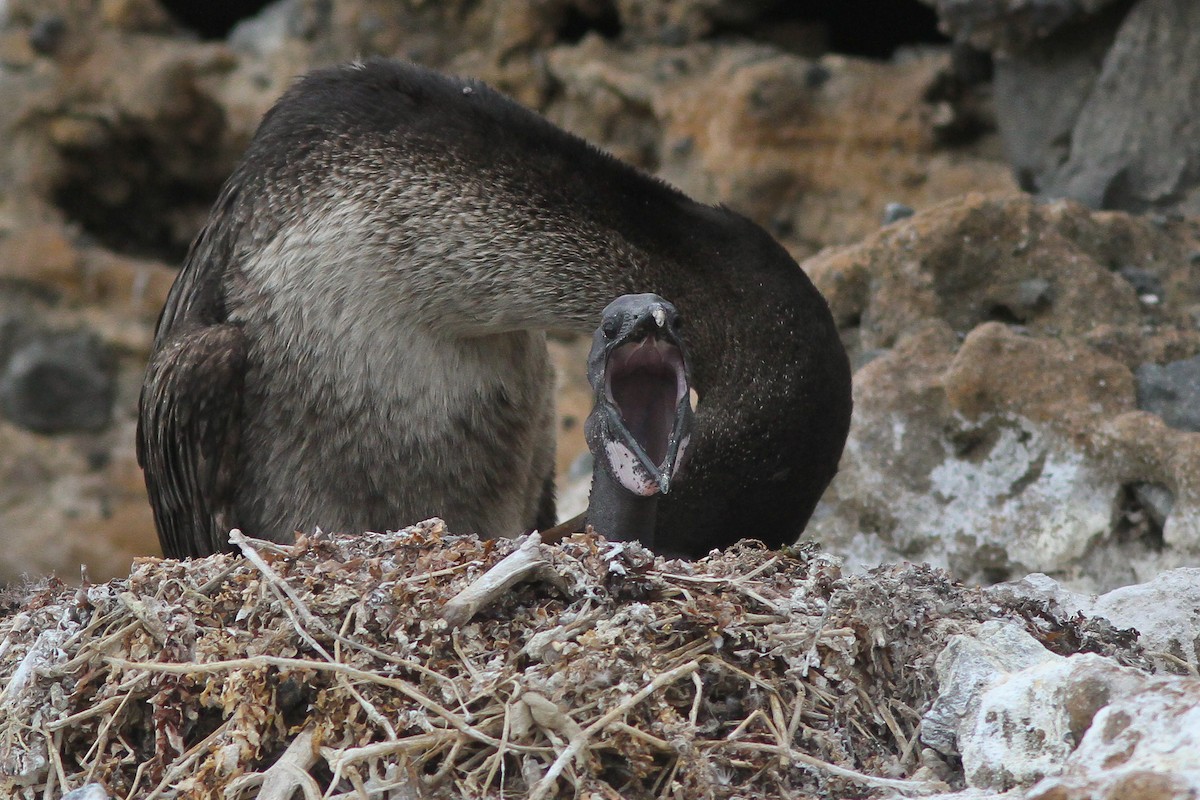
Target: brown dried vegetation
{"type": "Point", "coordinates": [589, 669]}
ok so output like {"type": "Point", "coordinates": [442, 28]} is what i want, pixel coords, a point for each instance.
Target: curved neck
{"type": "Point", "coordinates": [618, 515]}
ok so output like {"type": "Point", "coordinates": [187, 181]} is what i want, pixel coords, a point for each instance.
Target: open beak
{"type": "Point", "coordinates": [648, 407]}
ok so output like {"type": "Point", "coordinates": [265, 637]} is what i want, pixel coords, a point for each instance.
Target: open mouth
{"type": "Point", "coordinates": [645, 382]}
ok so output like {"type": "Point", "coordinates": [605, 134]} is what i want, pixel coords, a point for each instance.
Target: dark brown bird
{"type": "Point", "coordinates": [356, 339]}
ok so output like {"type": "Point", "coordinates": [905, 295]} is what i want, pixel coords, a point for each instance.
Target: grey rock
{"type": "Point", "coordinates": [1042, 588]}
{"type": "Point", "coordinates": [1165, 611]}
{"type": "Point", "coordinates": [1135, 145]}
{"type": "Point", "coordinates": [1006, 25]}
{"type": "Point", "coordinates": [683, 21]}
{"type": "Point", "coordinates": [1144, 282]}
{"type": "Point", "coordinates": [56, 382]}
{"type": "Point", "coordinates": [987, 499]}
{"type": "Point", "coordinates": [1156, 499]}
{"type": "Point", "coordinates": [1033, 294]}
{"type": "Point", "coordinates": [1040, 91]}
{"type": "Point", "coordinates": [1014, 712]}
{"type": "Point", "coordinates": [1034, 725]}
{"type": "Point", "coordinates": [894, 212]}
{"type": "Point", "coordinates": [967, 666]}
{"type": "Point", "coordinates": [91, 791]}
{"type": "Point", "coordinates": [47, 33]}
{"type": "Point", "coordinates": [1027, 723]}
{"type": "Point", "coordinates": [1172, 391]}
{"type": "Point", "coordinates": [999, 448]}
{"type": "Point", "coordinates": [268, 31]}
{"type": "Point", "coordinates": [1095, 101]}
{"type": "Point", "coordinates": [1145, 745]}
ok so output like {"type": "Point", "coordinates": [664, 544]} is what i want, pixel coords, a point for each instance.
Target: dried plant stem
{"type": "Point", "coordinates": [247, 546]}
{"type": "Point", "coordinates": [281, 588]}
{"type": "Point", "coordinates": [100, 708]}
{"type": "Point", "coordinates": [258, 662]}
{"type": "Point", "coordinates": [791, 754]}
{"type": "Point", "coordinates": [280, 780]}
{"type": "Point", "coordinates": [183, 763]}
{"type": "Point", "coordinates": [576, 746]}
{"type": "Point", "coordinates": [521, 564]}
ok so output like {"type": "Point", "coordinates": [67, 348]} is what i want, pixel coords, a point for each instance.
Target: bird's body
{"type": "Point", "coordinates": [356, 340]}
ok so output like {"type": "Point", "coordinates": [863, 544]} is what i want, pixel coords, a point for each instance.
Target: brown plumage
{"type": "Point", "coordinates": [356, 340]}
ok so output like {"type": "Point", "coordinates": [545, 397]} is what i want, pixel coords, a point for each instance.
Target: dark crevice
{"type": "Point", "coordinates": [866, 28]}
{"type": "Point", "coordinates": [212, 19]}
{"type": "Point", "coordinates": [966, 115]}
{"type": "Point", "coordinates": [873, 29]}
{"type": "Point", "coordinates": [1032, 475]}
{"type": "Point", "coordinates": [580, 20]}
{"type": "Point", "coordinates": [974, 444]}
{"type": "Point", "coordinates": [144, 187]}
{"type": "Point", "coordinates": [1142, 510]}
{"type": "Point", "coordinates": [1002, 313]}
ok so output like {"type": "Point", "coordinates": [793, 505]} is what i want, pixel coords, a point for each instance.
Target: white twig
{"type": "Point", "coordinates": [788, 753]}
{"type": "Point", "coordinates": [281, 588]}
{"type": "Point", "coordinates": [257, 662]}
{"type": "Point", "coordinates": [524, 563]}
{"type": "Point", "coordinates": [280, 780]}
{"type": "Point", "coordinates": [579, 742]}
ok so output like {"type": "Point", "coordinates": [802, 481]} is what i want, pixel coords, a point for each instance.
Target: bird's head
{"type": "Point", "coordinates": [642, 418]}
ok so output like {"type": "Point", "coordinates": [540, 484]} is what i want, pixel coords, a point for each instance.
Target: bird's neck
{"type": "Point", "coordinates": [619, 515]}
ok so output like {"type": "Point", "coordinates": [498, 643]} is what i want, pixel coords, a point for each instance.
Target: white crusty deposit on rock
{"type": "Point", "coordinates": [1144, 745]}
{"type": "Point", "coordinates": [1040, 726]}
{"type": "Point", "coordinates": [1026, 473]}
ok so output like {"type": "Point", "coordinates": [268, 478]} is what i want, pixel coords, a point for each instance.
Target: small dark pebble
{"type": "Point", "coordinates": [47, 33]}
{"type": "Point", "coordinates": [817, 76]}
{"type": "Point", "coordinates": [1144, 281]}
{"type": "Point", "coordinates": [894, 212]}
{"type": "Point", "coordinates": [683, 146]}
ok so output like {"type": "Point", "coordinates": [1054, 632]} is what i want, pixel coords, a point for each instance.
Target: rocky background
{"type": "Point", "coordinates": [997, 198]}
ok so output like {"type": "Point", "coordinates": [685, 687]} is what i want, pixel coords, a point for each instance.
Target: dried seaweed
{"type": "Point", "coordinates": [404, 665]}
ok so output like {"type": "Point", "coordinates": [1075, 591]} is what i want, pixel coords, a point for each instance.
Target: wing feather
{"type": "Point", "coordinates": [187, 437]}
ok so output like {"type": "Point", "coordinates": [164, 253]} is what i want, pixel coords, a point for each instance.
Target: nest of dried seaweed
{"type": "Point", "coordinates": [420, 664]}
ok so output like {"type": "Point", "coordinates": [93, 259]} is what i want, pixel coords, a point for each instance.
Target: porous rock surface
{"type": "Point", "coordinates": [1027, 723]}
{"type": "Point", "coordinates": [996, 428]}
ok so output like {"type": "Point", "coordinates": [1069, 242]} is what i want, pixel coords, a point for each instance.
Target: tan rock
{"type": "Point", "coordinates": [69, 502]}
{"type": "Point", "coordinates": [982, 257]}
{"type": "Point", "coordinates": [41, 253]}
{"type": "Point", "coordinates": [1060, 383]}
{"type": "Point", "coordinates": [814, 149]}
